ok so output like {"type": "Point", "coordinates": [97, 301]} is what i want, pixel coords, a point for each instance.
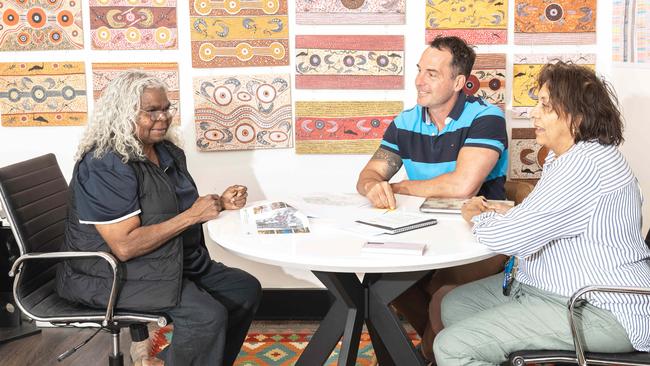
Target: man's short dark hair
{"type": "Point", "coordinates": [463, 56]}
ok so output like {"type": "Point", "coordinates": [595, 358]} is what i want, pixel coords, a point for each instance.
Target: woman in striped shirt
{"type": "Point", "coordinates": [580, 226]}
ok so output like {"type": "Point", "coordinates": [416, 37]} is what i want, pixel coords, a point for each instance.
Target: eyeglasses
{"type": "Point", "coordinates": [157, 114]}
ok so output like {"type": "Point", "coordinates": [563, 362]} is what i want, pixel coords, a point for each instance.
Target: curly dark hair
{"type": "Point", "coordinates": [463, 56]}
{"type": "Point", "coordinates": [591, 102]}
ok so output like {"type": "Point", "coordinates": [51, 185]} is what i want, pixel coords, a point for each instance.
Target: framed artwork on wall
{"type": "Point", "coordinates": [555, 22]}
{"type": "Point", "coordinates": [350, 12]}
{"type": "Point", "coordinates": [527, 157]}
{"type": "Point", "coordinates": [40, 25]}
{"type": "Point", "coordinates": [476, 21]}
{"type": "Point", "coordinates": [239, 33]}
{"type": "Point", "coordinates": [342, 127]}
{"type": "Point", "coordinates": [243, 112]}
{"type": "Point", "coordinates": [349, 62]}
{"type": "Point", "coordinates": [133, 24]}
{"type": "Point", "coordinates": [43, 94]}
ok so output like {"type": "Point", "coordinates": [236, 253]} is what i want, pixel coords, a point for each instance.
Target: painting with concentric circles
{"type": "Point", "coordinates": [133, 24]}
{"type": "Point", "coordinates": [349, 62]}
{"type": "Point", "coordinates": [40, 25]}
{"type": "Point", "coordinates": [239, 33]}
{"type": "Point", "coordinates": [243, 112]}
{"type": "Point", "coordinates": [43, 94]}
{"type": "Point", "coordinates": [555, 22]}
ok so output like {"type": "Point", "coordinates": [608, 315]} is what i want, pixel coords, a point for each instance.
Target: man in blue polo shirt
{"type": "Point", "coordinates": [451, 145]}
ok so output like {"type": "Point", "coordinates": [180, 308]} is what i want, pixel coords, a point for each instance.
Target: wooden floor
{"type": "Point", "coordinates": [42, 349]}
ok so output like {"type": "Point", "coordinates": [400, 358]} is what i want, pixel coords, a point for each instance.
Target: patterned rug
{"type": "Point", "coordinates": [277, 344]}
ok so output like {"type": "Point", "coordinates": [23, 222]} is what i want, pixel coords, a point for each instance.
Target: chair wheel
{"type": "Point", "coordinates": [518, 361]}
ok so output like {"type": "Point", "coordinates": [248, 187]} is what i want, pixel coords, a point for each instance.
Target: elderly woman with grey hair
{"type": "Point", "coordinates": [132, 195]}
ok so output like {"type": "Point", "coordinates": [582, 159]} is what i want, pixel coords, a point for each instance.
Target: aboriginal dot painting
{"type": "Point", "coordinates": [350, 11]}
{"type": "Point", "coordinates": [476, 21]}
{"type": "Point", "coordinates": [349, 62]}
{"type": "Point", "coordinates": [40, 25]}
{"type": "Point", "coordinates": [243, 112]}
{"type": "Point", "coordinates": [527, 157]}
{"type": "Point", "coordinates": [42, 94]}
{"type": "Point", "coordinates": [133, 24]}
{"type": "Point", "coordinates": [488, 79]}
{"type": "Point", "coordinates": [103, 73]}
{"type": "Point", "coordinates": [342, 127]}
{"type": "Point", "coordinates": [230, 33]}
{"type": "Point", "coordinates": [525, 70]}
{"type": "Point", "coordinates": [555, 22]}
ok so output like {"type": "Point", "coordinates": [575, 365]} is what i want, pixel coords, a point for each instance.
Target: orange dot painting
{"type": "Point", "coordinates": [40, 25]}
{"type": "Point", "coordinates": [555, 22]}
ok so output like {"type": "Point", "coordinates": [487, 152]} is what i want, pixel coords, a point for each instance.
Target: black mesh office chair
{"type": "Point", "coordinates": [578, 356]}
{"type": "Point", "coordinates": [34, 194]}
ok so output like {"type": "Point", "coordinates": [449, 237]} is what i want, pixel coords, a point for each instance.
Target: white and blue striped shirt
{"type": "Point", "coordinates": [580, 226]}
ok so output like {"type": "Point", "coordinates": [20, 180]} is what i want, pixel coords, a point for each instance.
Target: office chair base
{"type": "Point", "coordinates": [116, 360]}
{"type": "Point", "coordinates": [22, 330]}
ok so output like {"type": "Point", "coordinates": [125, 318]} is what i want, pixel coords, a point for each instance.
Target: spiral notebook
{"type": "Point", "coordinates": [395, 222]}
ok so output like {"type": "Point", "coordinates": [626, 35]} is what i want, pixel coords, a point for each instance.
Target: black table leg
{"type": "Point", "coordinates": [381, 352]}
{"type": "Point", "coordinates": [355, 303]}
{"type": "Point", "coordinates": [345, 318]}
{"type": "Point", "coordinates": [383, 288]}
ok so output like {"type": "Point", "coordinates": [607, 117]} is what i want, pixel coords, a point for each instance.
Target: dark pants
{"type": "Point", "coordinates": [216, 309]}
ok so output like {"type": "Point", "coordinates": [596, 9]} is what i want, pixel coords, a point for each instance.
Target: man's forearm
{"type": "Point", "coordinates": [446, 185]}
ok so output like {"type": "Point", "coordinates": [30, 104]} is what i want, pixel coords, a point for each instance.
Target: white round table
{"type": "Point", "coordinates": [335, 256]}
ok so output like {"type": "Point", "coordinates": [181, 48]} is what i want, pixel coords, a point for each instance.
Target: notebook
{"type": "Point", "coordinates": [395, 222]}
{"type": "Point", "coordinates": [451, 205]}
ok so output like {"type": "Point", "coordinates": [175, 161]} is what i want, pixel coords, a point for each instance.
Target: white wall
{"type": "Point", "coordinates": [629, 83]}
{"type": "Point", "coordinates": [275, 173]}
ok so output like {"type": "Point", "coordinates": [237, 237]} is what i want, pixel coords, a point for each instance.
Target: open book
{"type": "Point", "coordinates": [451, 205]}
{"type": "Point", "coordinates": [395, 222]}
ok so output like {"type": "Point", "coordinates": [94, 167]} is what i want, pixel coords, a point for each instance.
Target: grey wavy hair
{"type": "Point", "coordinates": [112, 124]}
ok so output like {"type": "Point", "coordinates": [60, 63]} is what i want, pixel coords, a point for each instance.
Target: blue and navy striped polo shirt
{"type": "Point", "coordinates": [428, 153]}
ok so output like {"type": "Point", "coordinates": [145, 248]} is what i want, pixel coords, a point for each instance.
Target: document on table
{"type": "Point", "coordinates": [336, 206]}
{"type": "Point", "coordinates": [273, 218]}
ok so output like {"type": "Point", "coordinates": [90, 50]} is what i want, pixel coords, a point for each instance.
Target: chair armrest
{"type": "Point", "coordinates": [580, 353]}
{"type": "Point", "coordinates": [15, 271]}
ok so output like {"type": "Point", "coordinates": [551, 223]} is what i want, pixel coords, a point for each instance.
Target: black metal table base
{"type": "Point", "coordinates": [358, 302]}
